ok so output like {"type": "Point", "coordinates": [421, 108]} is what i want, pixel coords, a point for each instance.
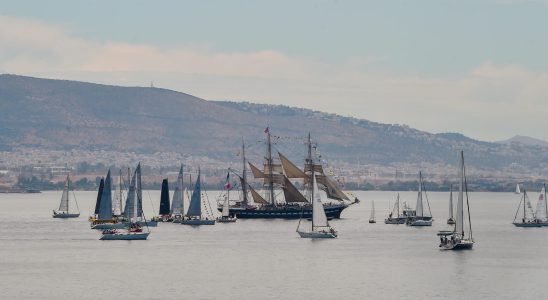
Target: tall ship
{"type": "Point", "coordinates": [279, 197]}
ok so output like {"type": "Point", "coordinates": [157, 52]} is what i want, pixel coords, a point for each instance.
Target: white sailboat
{"type": "Point", "coordinates": [178, 203]}
{"type": "Point", "coordinates": [63, 211]}
{"type": "Point", "coordinates": [372, 216]}
{"type": "Point", "coordinates": [133, 213]}
{"type": "Point", "coordinates": [320, 225]}
{"type": "Point", "coordinates": [421, 217]}
{"type": "Point", "coordinates": [451, 220]}
{"type": "Point", "coordinates": [460, 237]}
{"type": "Point", "coordinates": [225, 213]}
{"type": "Point", "coordinates": [541, 212]}
{"type": "Point", "coordinates": [528, 218]}
{"type": "Point", "coordinates": [194, 214]}
{"type": "Point", "coordinates": [394, 217]}
{"type": "Point", "coordinates": [518, 191]}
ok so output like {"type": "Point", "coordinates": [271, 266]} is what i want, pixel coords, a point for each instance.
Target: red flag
{"type": "Point", "coordinates": [266, 130]}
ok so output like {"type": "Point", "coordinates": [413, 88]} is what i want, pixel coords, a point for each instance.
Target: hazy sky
{"type": "Point", "coordinates": [476, 67]}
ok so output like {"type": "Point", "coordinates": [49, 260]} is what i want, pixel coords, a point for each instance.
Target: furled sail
{"type": "Point", "coordinates": [290, 169]}
{"type": "Point", "coordinates": [195, 207]}
{"type": "Point", "coordinates": [105, 208]}
{"type": "Point", "coordinates": [164, 198]}
{"type": "Point", "coordinates": [276, 169]}
{"type": "Point", "coordinates": [319, 218]}
{"type": "Point", "coordinates": [99, 195]}
{"type": "Point", "coordinates": [63, 206]}
{"type": "Point", "coordinates": [291, 193]}
{"type": "Point", "coordinates": [178, 196]}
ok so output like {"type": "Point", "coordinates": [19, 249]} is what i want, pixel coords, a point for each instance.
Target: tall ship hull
{"type": "Point", "coordinates": [332, 211]}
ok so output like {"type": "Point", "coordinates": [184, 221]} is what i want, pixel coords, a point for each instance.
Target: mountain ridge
{"type": "Point", "coordinates": [64, 114]}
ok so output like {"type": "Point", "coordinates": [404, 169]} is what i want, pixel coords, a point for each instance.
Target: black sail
{"type": "Point", "coordinates": [99, 195]}
{"type": "Point", "coordinates": [164, 198]}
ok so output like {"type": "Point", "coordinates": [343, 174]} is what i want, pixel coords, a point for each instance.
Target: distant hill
{"type": "Point", "coordinates": [525, 140]}
{"type": "Point", "coordinates": [62, 114]}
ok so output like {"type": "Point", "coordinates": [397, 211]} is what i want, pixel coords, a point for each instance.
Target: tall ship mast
{"type": "Point", "coordinates": [282, 199]}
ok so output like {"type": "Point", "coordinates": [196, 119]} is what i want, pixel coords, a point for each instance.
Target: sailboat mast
{"type": "Point", "coordinates": [524, 195]}
{"type": "Point", "coordinates": [545, 201]}
{"type": "Point", "coordinates": [466, 190]}
{"type": "Point", "coordinates": [182, 192]}
{"type": "Point", "coordinates": [420, 192]}
{"type": "Point", "coordinates": [270, 174]}
{"type": "Point", "coordinates": [120, 188]}
{"type": "Point", "coordinates": [310, 167]}
{"type": "Point", "coordinates": [244, 176]}
{"type": "Point", "coordinates": [68, 194]}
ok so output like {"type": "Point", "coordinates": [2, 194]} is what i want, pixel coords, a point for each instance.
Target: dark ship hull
{"type": "Point", "coordinates": [332, 211]}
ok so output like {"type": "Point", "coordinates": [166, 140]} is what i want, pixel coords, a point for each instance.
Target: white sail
{"type": "Point", "coordinates": [540, 212]}
{"type": "Point", "coordinates": [518, 191]}
{"type": "Point", "coordinates": [319, 218]}
{"type": "Point", "coordinates": [117, 201]}
{"type": "Point", "coordinates": [372, 217]}
{"type": "Point", "coordinates": [63, 206]}
{"type": "Point", "coordinates": [419, 209]}
{"type": "Point", "coordinates": [225, 211]}
{"type": "Point", "coordinates": [459, 222]}
{"type": "Point", "coordinates": [178, 195]}
{"type": "Point", "coordinates": [451, 203]}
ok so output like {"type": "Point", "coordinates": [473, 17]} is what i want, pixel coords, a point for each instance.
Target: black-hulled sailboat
{"type": "Point", "coordinates": [63, 211]}
{"type": "Point", "coordinates": [461, 236]}
{"type": "Point", "coordinates": [277, 176]}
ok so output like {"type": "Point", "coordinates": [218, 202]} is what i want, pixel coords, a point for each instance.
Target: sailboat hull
{"type": "Point", "coordinates": [395, 221]}
{"type": "Point", "coordinates": [418, 223]}
{"type": "Point", "coordinates": [197, 222]}
{"type": "Point", "coordinates": [317, 234]}
{"type": "Point", "coordinates": [461, 245]}
{"type": "Point", "coordinates": [61, 215]}
{"type": "Point", "coordinates": [285, 212]}
{"type": "Point", "coordinates": [529, 224]}
{"type": "Point", "coordinates": [125, 236]}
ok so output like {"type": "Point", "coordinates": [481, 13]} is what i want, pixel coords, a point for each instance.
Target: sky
{"type": "Point", "coordinates": [475, 67]}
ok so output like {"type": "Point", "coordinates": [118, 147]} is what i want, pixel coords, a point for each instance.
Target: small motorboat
{"type": "Point", "coordinates": [420, 222]}
{"type": "Point", "coordinates": [134, 232]}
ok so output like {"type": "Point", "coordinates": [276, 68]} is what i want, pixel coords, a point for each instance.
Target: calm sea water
{"type": "Point", "coordinates": [46, 258]}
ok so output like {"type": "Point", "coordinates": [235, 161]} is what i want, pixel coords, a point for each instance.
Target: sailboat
{"type": "Point", "coordinates": [372, 217]}
{"type": "Point", "coordinates": [394, 216]}
{"type": "Point", "coordinates": [276, 175]}
{"type": "Point", "coordinates": [225, 214]}
{"type": "Point", "coordinates": [518, 191]}
{"type": "Point", "coordinates": [421, 218]}
{"type": "Point", "coordinates": [528, 219]}
{"type": "Point", "coordinates": [450, 220]}
{"type": "Point", "coordinates": [104, 217]}
{"type": "Point", "coordinates": [63, 211]}
{"type": "Point", "coordinates": [320, 225]}
{"type": "Point", "coordinates": [458, 238]}
{"type": "Point", "coordinates": [194, 214]}
{"type": "Point", "coordinates": [178, 204]}
{"type": "Point", "coordinates": [164, 214]}
{"type": "Point", "coordinates": [133, 213]}
{"type": "Point", "coordinates": [541, 212]}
